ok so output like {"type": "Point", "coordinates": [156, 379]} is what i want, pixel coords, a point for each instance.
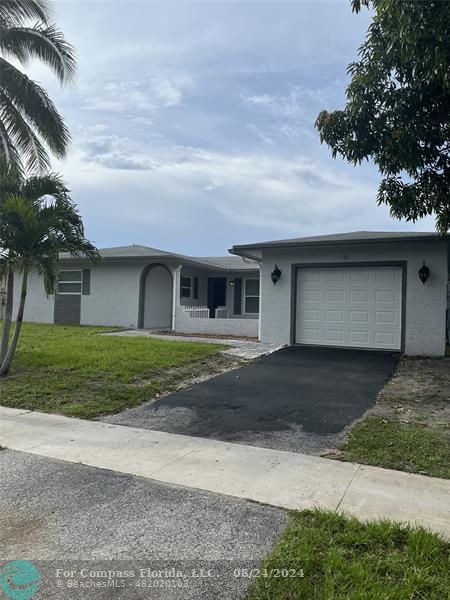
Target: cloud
{"type": "Point", "coordinates": [257, 190]}
{"type": "Point", "coordinates": [130, 95]}
{"type": "Point", "coordinates": [114, 152]}
{"type": "Point", "coordinates": [193, 123]}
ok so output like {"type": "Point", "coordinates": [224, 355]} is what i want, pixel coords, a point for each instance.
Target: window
{"type": "Point", "coordinates": [186, 284]}
{"type": "Point", "coordinates": [251, 296]}
{"type": "Point", "coordinates": [69, 282]}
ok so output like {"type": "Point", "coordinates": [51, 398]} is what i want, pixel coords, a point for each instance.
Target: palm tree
{"type": "Point", "coordinates": [37, 223]}
{"type": "Point", "coordinates": [28, 118]}
{"type": "Point", "coordinates": [10, 178]}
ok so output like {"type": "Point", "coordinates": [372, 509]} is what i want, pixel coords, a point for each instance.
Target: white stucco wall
{"type": "Point", "coordinates": [425, 304]}
{"type": "Point", "coordinates": [113, 298]}
{"type": "Point", "coordinates": [158, 299]}
{"type": "Point", "coordinates": [38, 306]}
{"type": "Point", "coordinates": [114, 295]}
{"type": "Point", "coordinates": [231, 327]}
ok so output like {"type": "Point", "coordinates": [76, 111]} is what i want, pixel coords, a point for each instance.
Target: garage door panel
{"type": "Point", "coordinates": [311, 335]}
{"type": "Point", "coordinates": [359, 296]}
{"type": "Point", "coordinates": [333, 316]}
{"type": "Point", "coordinates": [359, 316]}
{"type": "Point", "coordinates": [353, 306]}
{"type": "Point", "coordinates": [356, 338]}
{"type": "Point", "coordinates": [385, 296]}
{"type": "Point", "coordinates": [359, 276]}
{"type": "Point", "coordinates": [386, 316]}
{"type": "Point", "coordinates": [335, 296]}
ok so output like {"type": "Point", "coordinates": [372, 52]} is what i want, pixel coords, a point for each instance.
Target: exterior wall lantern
{"type": "Point", "coordinates": [275, 275]}
{"type": "Point", "coordinates": [424, 273]}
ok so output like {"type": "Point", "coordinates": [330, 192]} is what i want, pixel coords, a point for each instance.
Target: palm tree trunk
{"type": "Point", "coordinates": [7, 317]}
{"type": "Point", "coordinates": [12, 347]}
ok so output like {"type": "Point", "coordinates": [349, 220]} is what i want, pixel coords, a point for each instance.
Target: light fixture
{"type": "Point", "coordinates": [424, 273]}
{"type": "Point", "coordinates": [232, 282]}
{"type": "Point", "coordinates": [275, 275]}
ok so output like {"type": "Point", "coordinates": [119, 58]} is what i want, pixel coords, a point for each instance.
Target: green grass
{"type": "Point", "coordinates": [344, 559]}
{"type": "Point", "coordinates": [74, 371]}
{"type": "Point", "coordinates": [393, 445]}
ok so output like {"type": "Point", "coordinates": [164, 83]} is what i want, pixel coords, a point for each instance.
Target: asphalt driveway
{"type": "Point", "coordinates": [298, 399]}
{"type": "Point", "coordinates": [96, 526]}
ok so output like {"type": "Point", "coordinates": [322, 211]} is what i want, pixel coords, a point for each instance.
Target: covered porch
{"type": "Point", "coordinates": [217, 301]}
{"type": "Point", "coordinates": [213, 296]}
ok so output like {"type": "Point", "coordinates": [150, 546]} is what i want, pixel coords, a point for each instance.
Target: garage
{"type": "Point", "coordinates": [354, 307]}
{"type": "Point", "coordinates": [368, 290]}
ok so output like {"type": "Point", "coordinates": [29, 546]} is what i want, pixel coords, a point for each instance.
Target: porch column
{"type": "Point", "coordinates": [260, 300]}
{"type": "Point", "coordinates": [176, 276]}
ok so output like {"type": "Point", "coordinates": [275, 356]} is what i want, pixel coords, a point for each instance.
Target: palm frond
{"type": "Point", "coordinates": [36, 188]}
{"type": "Point", "coordinates": [40, 222]}
{"type": "Point", "coordinates": [44, 42]}
{"type": "Point", "coordinates": [8, 153]}
{"type": "Point", "coordinates": [47, 266]}
{"type": "Point", "coordinates": [31, 150]}
{"type": "Point", "coordinates": [17, 11]}
{"type": "Point", "coordinates": [10, 178]}
{"type": "Point", "coordinates": [32, 100]}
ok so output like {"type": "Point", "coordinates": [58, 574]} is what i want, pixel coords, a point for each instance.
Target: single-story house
{"type": "Point", "coordinates": [368, 290]}
{"type": "Point", "coordinates": [142, 287]}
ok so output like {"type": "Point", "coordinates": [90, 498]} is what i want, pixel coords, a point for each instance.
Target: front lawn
{"type": "Point", "coordinates": [409, 426]}
{"type": "Point", "coordinates": [75, 371]}
{"type": "Point", "coordinates": [342, 558]}
{"type": "Point", "coordinates": [402, 446]}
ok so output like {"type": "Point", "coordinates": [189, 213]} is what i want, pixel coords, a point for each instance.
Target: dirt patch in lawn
{"type": "Point", "coordinates": [408, 428]}
{"type": "Point", "coordinates": [186, 376]}
{"type": "Point", "coordinates": [418, 392]}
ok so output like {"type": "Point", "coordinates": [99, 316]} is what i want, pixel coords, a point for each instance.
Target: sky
{"type": "Point", "coordinates": [193, 122]}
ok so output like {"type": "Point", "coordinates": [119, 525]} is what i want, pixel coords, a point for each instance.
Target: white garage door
{"type": "Point", "coordinates": [359, 307]}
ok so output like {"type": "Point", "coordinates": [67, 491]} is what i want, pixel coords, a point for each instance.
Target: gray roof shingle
{"type": "Point", "coordinates": [349, 237]}
{"type": "Point", "coordinates": [227, 263]}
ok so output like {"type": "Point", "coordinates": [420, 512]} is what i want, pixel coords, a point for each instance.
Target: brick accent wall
{"type": "Point", "coordinates": [67, 309]}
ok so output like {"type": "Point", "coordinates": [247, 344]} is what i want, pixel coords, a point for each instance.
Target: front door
{"type": "Point", "coordinates": [217, 294]}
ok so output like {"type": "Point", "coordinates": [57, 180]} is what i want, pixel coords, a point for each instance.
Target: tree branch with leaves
{"type": "Point", "coordinates": [398, 107]}
{"type": "Point", "coordinates": [30, 124]}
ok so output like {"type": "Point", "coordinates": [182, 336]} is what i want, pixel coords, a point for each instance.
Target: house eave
{"type": "Point", "coordinates": [244, 250]}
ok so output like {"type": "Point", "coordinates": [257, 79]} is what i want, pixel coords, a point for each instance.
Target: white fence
{"type": "Point", "coordinates": [197, 312]}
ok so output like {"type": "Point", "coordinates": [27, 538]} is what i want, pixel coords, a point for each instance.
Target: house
{"type": "Point", "coordinates": [368, 290]}
{"type": "Point", "coordinates": [377, 290]}
{"type": "Point", "coordinates": [142, 287]}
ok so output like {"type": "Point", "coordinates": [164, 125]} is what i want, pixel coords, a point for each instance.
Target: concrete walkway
{"type": "Point", "coordinates": [246, 349]}
{"type": "Point", "coordinates": [283, 479]}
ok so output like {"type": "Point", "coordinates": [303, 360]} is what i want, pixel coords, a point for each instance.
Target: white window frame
{"type": "Point", "coordinates": [184, 287]}
{"type": "Point", "coordinates": [245, 295]}
{"type": "Point", "coordinates": [80, 281]}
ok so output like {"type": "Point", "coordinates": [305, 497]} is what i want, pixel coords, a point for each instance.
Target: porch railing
{"type": "Point", "coordinates": [221, 312]}
{"type": "Point", "coordinates": [197, 312]}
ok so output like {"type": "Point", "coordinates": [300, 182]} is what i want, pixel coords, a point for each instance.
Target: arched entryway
{"type": "Point", "coordinates": [156, 297]}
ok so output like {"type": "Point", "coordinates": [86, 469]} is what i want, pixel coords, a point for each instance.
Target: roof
{"type": "Point", "coordinates": [136, 251]}
{"type": "Point", "coordinates": [345, 238]}
{"type": "Point", "coordinates": [229, 262]}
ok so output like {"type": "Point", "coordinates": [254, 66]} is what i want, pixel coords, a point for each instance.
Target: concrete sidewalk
{"type": "Point", "coordinates": [283, 479]}
{"type": "Point", "coordinates": [240, 348]}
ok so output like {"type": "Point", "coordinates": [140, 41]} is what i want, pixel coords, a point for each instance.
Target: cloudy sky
{"type": "Point", "coordinates": [193, 122]}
